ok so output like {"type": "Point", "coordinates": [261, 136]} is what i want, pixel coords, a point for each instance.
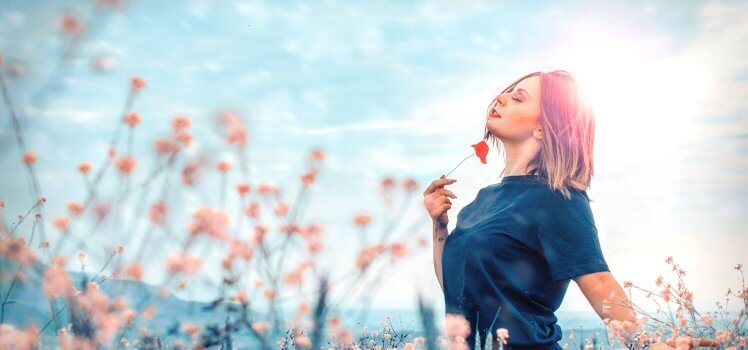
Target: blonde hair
{"type": "Point", "coordinates": [568, 123]}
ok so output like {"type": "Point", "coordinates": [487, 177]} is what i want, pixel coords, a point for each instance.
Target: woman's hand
{"type": "Point", "coordinates": [436, 202]}
{"type": "Point", "coordinates": [682, 343]}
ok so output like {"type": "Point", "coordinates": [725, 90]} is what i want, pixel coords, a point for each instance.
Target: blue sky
{"type": "Point", "coordinates": [399, 89]}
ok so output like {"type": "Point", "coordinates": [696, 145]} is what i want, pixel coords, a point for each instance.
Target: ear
{"type": "Point", "coordinates": [538, 133]}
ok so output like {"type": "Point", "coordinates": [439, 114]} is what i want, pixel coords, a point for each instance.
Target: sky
{"type": "Point", "coordinates": [400, 89]}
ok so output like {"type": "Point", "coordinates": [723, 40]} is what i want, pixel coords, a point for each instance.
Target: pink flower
{"type": "Point", "coordinates": [240, 249]}
{"type": "Point", "coordinates": [410, 185]}
{"type": "Point", "coordinates": [16, 339]}
{"type": "Point", "coordinates": [234, 128]}
{"type": "Point", "coordinates": [260, 327]}
{"type": "Point", "coordinates": [158, 213]}
{"type": "Point", "coordinates": [313, 230]}
{"type": "Point", "coordinates": [75, 208]}
{"type": "Point", "coordinates": [223, 166]}
{"type": "Point", "coordinates": [317, 155]}
{"type": "Point", "coordinates": [362, 220]}
{"type": "Point", "coordinates": [128, 316]}
{"type": "Point", "coordinates": [292, 228]}
{"type": "Point", "coordinates": [69, 24]}
{"type": "Point", "coordinates": [252, 210]}
{"type": "Point", "coordinates": [16, 249]}
{"type": "Point", "coordinates": [190, 173]}
{"type": "Point", "coordinates": [456, 326]}
{"type": "Point", "coordinates": [259, 234]}
{"type": "Point", "coordinates": [190, 328]}
{"type": "Point", "coordinates": [183, 137]}
{"type": "Point", "coordinates": [281, 209]}
{"type": "Point", "coordinates": [269, 294]}
{"type": "Point", "coordinates": [293, 277]}
{"type": "Point", "coordinates": [708, 320]}
{"type": "Point", "coordinates": [184, 263]}
{"type": "Point", "coordinates": [304, 308]}
{"type": "Point", "coordinates": [61, 223]}
{"type": "Point", "coordinates": [398, 249]}
{"type": "Point", "coordinates": [241, 297]}
{"type": "Point", "coordinates": [126, 164]}
{"type": "Point", "coordinates": [723, 336]}
{"type": "Point", "coordinates": [56, 281]}
{"type": "Point", "coordinates": [132, 119]}
{"type": "Point", "coordinates": [165, 147]}
{"type": "Point", "coordinates": [148, 312]}
{"type": "Point", "coordinates": [84, 167]}
{"type": "Point", "coordinates": [242, 188]}
{"type": "Point", "coordinates": [502, 334]}
{"type": "Point", "coordinates": [368, 254]}
{"type": "Point", "coordinates": [134, 271]}
{"type": "Point", "coordinates": [29, 158]}
{"type": "Point", "coordinates": [665, 293]}
{"type": "Point", "coordinates": [214, 223]}
{"type": "Point", "coordinates": [137, 83]}
{"type": "Point", "coordinates": [303, 341]}
{"type": "Point", "coordinates": [387, 184]}
{"type": "Point", "coordinates": [266, 189]}
{"type": "Point", "coordinates": [180, 122]}
{"type": "Point", "coordinates": [308, 178]}
{"type": "Point", "coordinates": [315, 246]}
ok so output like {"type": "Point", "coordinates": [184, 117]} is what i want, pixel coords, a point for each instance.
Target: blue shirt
{"type": "Point", "coordinates": [513, 252]}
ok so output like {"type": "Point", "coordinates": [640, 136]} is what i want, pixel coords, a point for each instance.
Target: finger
{"type": "Point", "coordinates": [437, 184]}
{"type": "Point", "coordinates": [444, 199]}
{"type": "Point", "coordinates": [443, 208]}
{"type": "Point", "coordinates": [449, 193]}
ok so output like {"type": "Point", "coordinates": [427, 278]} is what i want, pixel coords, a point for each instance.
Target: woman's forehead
{"type": "Point", "coordinates": [531, 84]}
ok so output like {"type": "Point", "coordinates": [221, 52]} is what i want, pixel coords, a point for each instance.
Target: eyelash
{"type": "Point", "coordinates": [516, 99]}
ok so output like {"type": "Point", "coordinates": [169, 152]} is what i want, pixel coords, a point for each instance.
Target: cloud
{"type": "Point", "coordinates": [70, 115]}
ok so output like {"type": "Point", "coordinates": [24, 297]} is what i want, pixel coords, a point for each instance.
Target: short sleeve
{"type": "Point", "coordinates": [568, 236]}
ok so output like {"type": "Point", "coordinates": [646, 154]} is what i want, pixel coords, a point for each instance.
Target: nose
{"type": "Point", "coordinates": [500, 100]}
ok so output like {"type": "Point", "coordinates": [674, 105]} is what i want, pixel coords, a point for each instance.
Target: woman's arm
{"type": "Point", "coordinates": [599, 286]}
{"type": "Point", "coordinates": [440, 236]}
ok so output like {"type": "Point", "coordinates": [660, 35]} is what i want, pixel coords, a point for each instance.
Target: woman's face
{"type": "Point", "coordinates": [516, 114]}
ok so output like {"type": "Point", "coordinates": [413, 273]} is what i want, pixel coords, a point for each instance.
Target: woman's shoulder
{"type": "Point", "coordinates": [557, 195]}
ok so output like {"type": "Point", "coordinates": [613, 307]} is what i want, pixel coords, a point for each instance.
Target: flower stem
{"type": "Point", "coordinates": [445, 176]}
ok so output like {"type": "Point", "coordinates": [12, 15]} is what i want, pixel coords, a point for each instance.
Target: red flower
{"type": "Point", "coordinates": [481, 150]}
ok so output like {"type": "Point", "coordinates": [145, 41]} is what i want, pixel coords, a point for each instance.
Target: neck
{"type": "Point", "coordinates": [519, 156]}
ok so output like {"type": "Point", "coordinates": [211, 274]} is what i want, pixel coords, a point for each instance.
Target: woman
{"type": "Point", "coordinates": [515, 248]}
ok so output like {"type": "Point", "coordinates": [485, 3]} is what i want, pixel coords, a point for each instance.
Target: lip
{"type": "Point", "coordinates": [494, 115]}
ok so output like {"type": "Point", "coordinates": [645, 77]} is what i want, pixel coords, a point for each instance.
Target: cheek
{"type": "Point", "coordinates": [527, 117]}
